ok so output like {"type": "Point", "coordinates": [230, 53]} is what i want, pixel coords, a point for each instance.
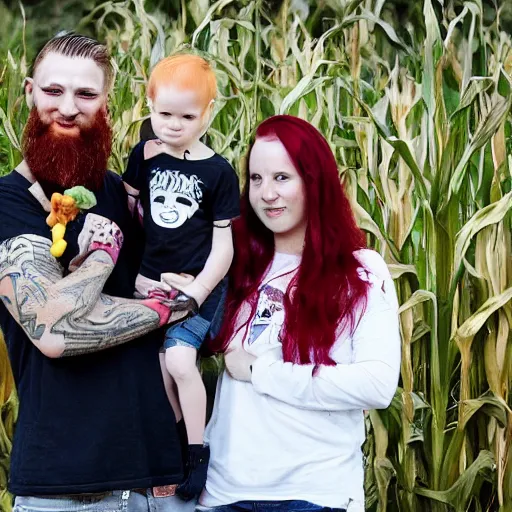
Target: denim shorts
{"type": "Point", "coordinates": [193, 331]}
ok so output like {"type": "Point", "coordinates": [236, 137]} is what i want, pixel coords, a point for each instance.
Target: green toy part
{"type": "Point", "coordinates": [83, 197]}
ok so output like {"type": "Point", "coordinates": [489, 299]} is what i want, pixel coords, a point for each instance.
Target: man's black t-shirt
{"type": "Point", "coordinates": [93, 422]}
{"type": "Point", "coordinates": [181, 199]}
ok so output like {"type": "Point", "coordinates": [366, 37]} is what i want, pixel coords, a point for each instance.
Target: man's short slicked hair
{"type": "Point", "coordinates": [76, 45]}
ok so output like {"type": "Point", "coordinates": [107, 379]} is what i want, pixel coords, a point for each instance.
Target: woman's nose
{"type": "Point", "coordinates": [269, 191]}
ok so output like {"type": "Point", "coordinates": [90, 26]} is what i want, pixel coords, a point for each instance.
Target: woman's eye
{"type": "Point", "coordinates": [165, 114]}
{"type": "Point", "coordinates": [281, 177]}
{"type": "Point", "coordinates": [255, 177]}
{"type": "Point", "coordinates": [189, 117]}
{"type": "Point", "coordinates": [52, 92]}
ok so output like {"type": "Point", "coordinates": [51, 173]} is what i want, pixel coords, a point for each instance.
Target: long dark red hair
{"type": "Point", "coordinates": [326, 289]}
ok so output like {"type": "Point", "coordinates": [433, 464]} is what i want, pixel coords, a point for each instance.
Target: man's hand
{"type": "Point", "coordinates": [170, 303]}
{"type": "Point", "coordinates": [171, 306]}
{"type": "Point", "coordinates": [98, 233]}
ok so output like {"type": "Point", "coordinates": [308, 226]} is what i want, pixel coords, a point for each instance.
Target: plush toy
{"type": "Point", "coordinates": [65, 207]}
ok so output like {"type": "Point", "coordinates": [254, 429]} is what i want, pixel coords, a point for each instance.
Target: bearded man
{"type": "Point", "coordinates": [95, 429]}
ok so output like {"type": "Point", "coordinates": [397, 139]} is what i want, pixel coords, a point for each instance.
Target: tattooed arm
{"type": "Point", "coordinates": [70, 316]}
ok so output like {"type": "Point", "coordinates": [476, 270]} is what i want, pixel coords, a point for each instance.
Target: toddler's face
{"type": "Point", "coordinates": [178, 117]}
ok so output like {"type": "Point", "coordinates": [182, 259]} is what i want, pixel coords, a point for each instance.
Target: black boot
{"type": "Point", "coordinates": [195, 472]}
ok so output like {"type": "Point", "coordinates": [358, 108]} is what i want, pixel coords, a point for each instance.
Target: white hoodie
{"type": "Point", "coordinates": [289, 434]}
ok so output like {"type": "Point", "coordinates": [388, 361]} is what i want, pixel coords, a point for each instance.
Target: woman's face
{"type": "Point", "coordinates": [276, 190]}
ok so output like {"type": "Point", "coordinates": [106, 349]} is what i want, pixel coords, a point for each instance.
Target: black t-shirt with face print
{"type": "Point", "coordinates": [180, 201]}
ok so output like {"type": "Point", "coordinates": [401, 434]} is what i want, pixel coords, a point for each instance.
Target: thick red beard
{"type": "Point", "coordinates": [56, 159]}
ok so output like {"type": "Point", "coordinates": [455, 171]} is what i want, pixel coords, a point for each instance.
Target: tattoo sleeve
{"type": "Point", "coordinates": [65, 316]}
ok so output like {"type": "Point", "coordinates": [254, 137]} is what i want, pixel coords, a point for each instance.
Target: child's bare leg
{"type": "Point", "coordinates": [180, 362]}
{"type": "Point", "coordinates": [170, 389]}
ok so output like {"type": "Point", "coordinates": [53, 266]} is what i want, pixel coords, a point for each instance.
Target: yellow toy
{"type": "Point", "coordinates": [65, 208]}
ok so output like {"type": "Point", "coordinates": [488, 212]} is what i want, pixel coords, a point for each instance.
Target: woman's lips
{"type": "Point", "coordinates": [274, 212]}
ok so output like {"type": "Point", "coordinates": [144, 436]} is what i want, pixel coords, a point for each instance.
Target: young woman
{"type": "Point", "coordinates": [310, 336]}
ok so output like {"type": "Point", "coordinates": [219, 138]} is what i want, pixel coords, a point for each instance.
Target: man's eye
{"type": "Point", "coordinates": [159, 199]}
{"type": "Point", "coordinates": [88, 95]}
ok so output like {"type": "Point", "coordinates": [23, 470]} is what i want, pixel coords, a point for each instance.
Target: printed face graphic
{"type": "Point", "coordinates": [174, 197]}
{"type": "Point", "coordinates": [269, 317]}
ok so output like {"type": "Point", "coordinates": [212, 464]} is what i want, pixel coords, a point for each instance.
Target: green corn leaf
{"type": "Point", "coordinates": [459, 495]}
{"type": "Point", "coordinates": [486, 128]}
{"type": "Point", "coordinates": [467, 331]}
{"type": "Point", "coordinates": [491, 214]}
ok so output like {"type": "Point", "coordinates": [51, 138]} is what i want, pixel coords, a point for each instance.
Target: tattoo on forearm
{"type": "Point", "coordinates": [71, 308]}
{"type": "Point", "coordinates": [19, 258]}
{"type": "Point", "coordinates": [111, 322]}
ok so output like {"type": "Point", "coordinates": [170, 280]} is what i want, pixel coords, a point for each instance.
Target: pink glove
{"type": "Point", "coordinates": [171, 306]}
{"type": "Point", "coordinates": [98, 233]}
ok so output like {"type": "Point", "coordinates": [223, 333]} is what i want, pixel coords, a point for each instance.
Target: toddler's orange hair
{"type": "Point", "coordinates": [184, 71]}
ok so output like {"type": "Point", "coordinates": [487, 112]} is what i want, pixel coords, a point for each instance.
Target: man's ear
{"type": "Point", "coordinates": [28, 84]}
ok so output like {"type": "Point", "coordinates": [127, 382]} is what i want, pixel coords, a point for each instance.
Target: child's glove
{"type": "Point", "coordinates": [195, 471]}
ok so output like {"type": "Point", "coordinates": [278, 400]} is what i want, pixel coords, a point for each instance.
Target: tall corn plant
{"type": "Point", "coordinates": [418, 118]}
{"type": "Point", "coordinates": [8, 415]}
{"type": "Point", "coordinates": [12, 69]}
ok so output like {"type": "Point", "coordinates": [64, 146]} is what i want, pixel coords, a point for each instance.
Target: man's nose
{"type": "Point", "coordinates": [67, 107]}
